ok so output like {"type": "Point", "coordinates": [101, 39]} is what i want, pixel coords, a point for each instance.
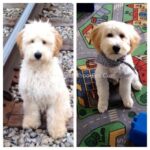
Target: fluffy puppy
{"type": "Point", "coordinates": [41, 83]}
{"type": "Point", "coordinates": [114, 42]}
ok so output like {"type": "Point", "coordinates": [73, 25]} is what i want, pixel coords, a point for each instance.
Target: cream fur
{"type": "Point", "coordinates": [41, 84]}
{"type": "Point", "coordinates": [127, 77]}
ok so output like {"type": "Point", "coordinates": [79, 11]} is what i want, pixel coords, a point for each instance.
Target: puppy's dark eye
{"type": "Point", "coordinates": [44, 42]}
{"type": "Point", "coordinates": [121, 35]}
{"type": "Point", "coordinates": [32, 41]}
{"type": "Point", "coordinates": [109, 35]}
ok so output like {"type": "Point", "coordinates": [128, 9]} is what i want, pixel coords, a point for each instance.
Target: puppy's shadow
{"type": "Point", "coordinates": [115, 100]}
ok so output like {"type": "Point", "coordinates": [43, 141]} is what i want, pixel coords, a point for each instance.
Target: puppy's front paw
{"type": "Point", "coordinates": [128, 103]}
{"type": "Point", "coordinates": [57, 132]}
{"type": "Point", "coordinates": [30, 122]}
{"type": "Point", "coordinates": [102, 106]}
{"type": "Point", "coordinates": [137, 85]}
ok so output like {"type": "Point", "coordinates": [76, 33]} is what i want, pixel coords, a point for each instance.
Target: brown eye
{"type": "Point", "coordinates": [32, 41]}
{"type": "Point", "coordinates": [44, 42]}
{"type": "Point", "coordinates": [121, 36]}
{"type": "Point", "coordinates": [110, 35]}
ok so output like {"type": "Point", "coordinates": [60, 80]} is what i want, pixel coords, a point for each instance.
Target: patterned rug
{"type": "Point", "coordinates": [112, 127]}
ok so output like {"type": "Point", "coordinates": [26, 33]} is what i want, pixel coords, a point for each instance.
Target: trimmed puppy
{"type": "Point", "coordinates": [41, 83]}
{"type": "Point", "coordinates": [114, 42]}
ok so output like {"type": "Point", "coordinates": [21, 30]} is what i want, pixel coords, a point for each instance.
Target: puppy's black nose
{"type": "Point", "coordinates": [116, 48]}
{"type": "Point", "coordinates": [37, 55]}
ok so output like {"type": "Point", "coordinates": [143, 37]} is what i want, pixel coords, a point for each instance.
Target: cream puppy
{"type": "Point", "coordinates": [114, 42]}
{"type": "Point", "coordinates": [41, 84]}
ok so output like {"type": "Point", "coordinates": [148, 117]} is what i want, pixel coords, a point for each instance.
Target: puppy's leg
{"type": "Point", "coordinates": [65, 102]}
{"type": "Point", "coordinates": [31, 117]}
{"type": "Point", "coordinates": [136, 84]}
{"type": "Point", "coordinates": [103, 93]}
{"type": "Point", "coordinates": [57, 115]}
{"type": "Point", "coordinates": [67, 107]}
{"type": "Point", "coordinates": [125, 91]}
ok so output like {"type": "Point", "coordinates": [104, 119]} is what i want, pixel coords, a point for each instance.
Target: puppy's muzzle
{"type": "Point", "coordinates": [116, 48]}
{"type": "Point", "coordinates": [37, 55]}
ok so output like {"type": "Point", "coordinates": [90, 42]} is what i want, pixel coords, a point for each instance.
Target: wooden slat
{"type": "Point", "coordinates": [15, 121]}
{"type": "Point", "coordinates": [14, 5]}
{"type": "Point", "coordinates": [8, 107]}
{"type": "Point", "coordinates": [17, 109]}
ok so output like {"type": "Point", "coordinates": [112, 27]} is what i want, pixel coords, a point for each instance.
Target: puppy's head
{"type": "Point", "coordinates": [39, 42]}
{"type": "Point", "coordinates": [115, 39]}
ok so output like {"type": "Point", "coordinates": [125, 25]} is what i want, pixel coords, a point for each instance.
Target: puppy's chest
{"type": "Point", "coordinates": [118, 72]}
{"type": "Point", "coordinates": [41, 85]}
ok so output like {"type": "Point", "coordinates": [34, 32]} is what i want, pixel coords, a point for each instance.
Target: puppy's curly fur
{"type": "Point", "coordinates": [41, 84]}
{"type": "Point", "coordinates": [104, 37]}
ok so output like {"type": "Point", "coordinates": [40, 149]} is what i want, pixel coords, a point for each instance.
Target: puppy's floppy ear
{"type": "Point", "coordinates": [134, 38]}
{"type": "Point", "coordinates": [19, 42]}
{"type": "Point", "coordinates": [96, 36]}
{"type": "Point", "coordinates": [58, 43]}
